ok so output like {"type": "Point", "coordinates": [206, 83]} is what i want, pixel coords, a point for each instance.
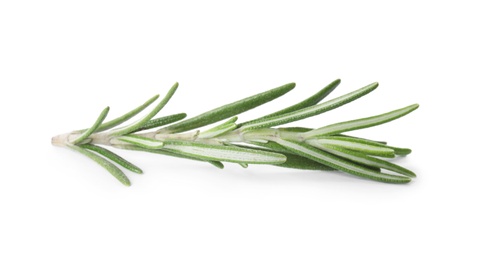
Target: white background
{"type": "Point", "coordinates": [61, 62]}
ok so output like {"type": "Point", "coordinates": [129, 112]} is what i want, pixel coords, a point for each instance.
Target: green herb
{"type": "Point", "coordinates": [257, 141]}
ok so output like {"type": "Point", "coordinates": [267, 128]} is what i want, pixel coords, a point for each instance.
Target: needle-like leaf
{"type": "Point", "coordinates": [117, 121]}
{"type": "Point", "coordinates": [144, 142]}
{"type": "Point", "coordinates": [292, 160]}
{"type": "Point", "coordinates": [295, 129]}
{"type": "Point", "coordinates": [220, 129]}
{"type": "Point", "coordinates": [243, 165]}
{"type": "Point", "coordinates": [400, 151]}
{"type": "Point", "coordinates": [91, 130]}
{"type": "Point", "coordinates": [110, 167]}
{"type": "Point", "coordinates": [227, 111]}
{"type": "Point", "coordinates": [364, 159]}
{"type": "Point", "coordinates": [299, 162]}
{"type": "Point", "coordinates": [112, 156]}
{"type": "Point", "coordinates": [138, 124]}
{"type": "Point", "coordinates": [161, 121]}
{"type": "Point", "coordinates": [339, 163]}
{"type": "Point", "coordinates": [310, 111]}
{"type": "Point", "coordinates": [217, 164]}
{"type": "Point", "coordinates": [359, 138]}
{"type": "Point", "coordinates": [306, 163]}
{"type": "Point", "coordinates": [272, 146]}
{"type": "Point", "coordinates": [397, 150]}
{"type": "Point", "coordinates": [223, 153]}
{"type": "Point", "coordinates": [359, 123]}
{"type": "Point", "coordinates": [355, 145]}
{"type": "Point", "coordinates": [312, 100]}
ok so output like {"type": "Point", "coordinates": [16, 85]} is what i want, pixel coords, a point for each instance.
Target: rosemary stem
{"type": "Point", "coordinates": [60, 140]}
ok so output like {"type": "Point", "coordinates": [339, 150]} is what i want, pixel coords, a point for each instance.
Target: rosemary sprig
{"type": "Point", "coordinates": [257, 141]}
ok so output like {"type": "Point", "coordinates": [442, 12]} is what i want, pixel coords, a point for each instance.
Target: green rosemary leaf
{"type": "Point", "coordinates": [295, 129]}
{"type": "Point", "coordinates": [217, 131]}
{"type": "Point", "coordinates": [91, 130]}
{"type": "Point", "coordinates": [359, 138]}
{"type": "Point", "coordinates": [161, 121]}
{"type": "Point", "coordinates": [400, 151]}
{"type": "Point", "coordinates": [268, 146]}
{"type": "Point", "coordinates": [355, 145]}
{"type": "Point", "coordinates": [138, 124]}
{"type": "Point", "coordinates": [292, 160]}
{"type": "Point", "coordinates": [311, 111]}
{"type": "Point", "coordinates": [227, 111]}
{"type": "Point", "coordinates": [144, 142]}
{"type": "Point", "coordinates": [117, 121]}
{"type": "Point", "coordinates": [360, 123]}
{"type": "Point", "coordinates": [223, 153]}
{"type": "Point", "coordinates": [299, 162]}
{"type": "Point", "coordinates": [312, 100]}
{"type": "Point", "coordinates": [272, 146]}
{"type": "Point", "coordinates": [217, 164]}
{"type": "Point", "coordinates": [339, 163]}
{"type": "Point", "coordinates": [110, 167]}
{"type": "Point", "coordinates": [397, 150]}
{"type": "Point", "coordinates": [366, 160]}
{"type": "Point", "coordinates": [231, 120]}
{"type": "Point", "coordinates": [220, 129]}
{"type": "Point", "coordinates": [306, 163]}
{"type": "Point", "coordinates": [243, 165]}
{"type": "Point", "coordinates": [112, 156]}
